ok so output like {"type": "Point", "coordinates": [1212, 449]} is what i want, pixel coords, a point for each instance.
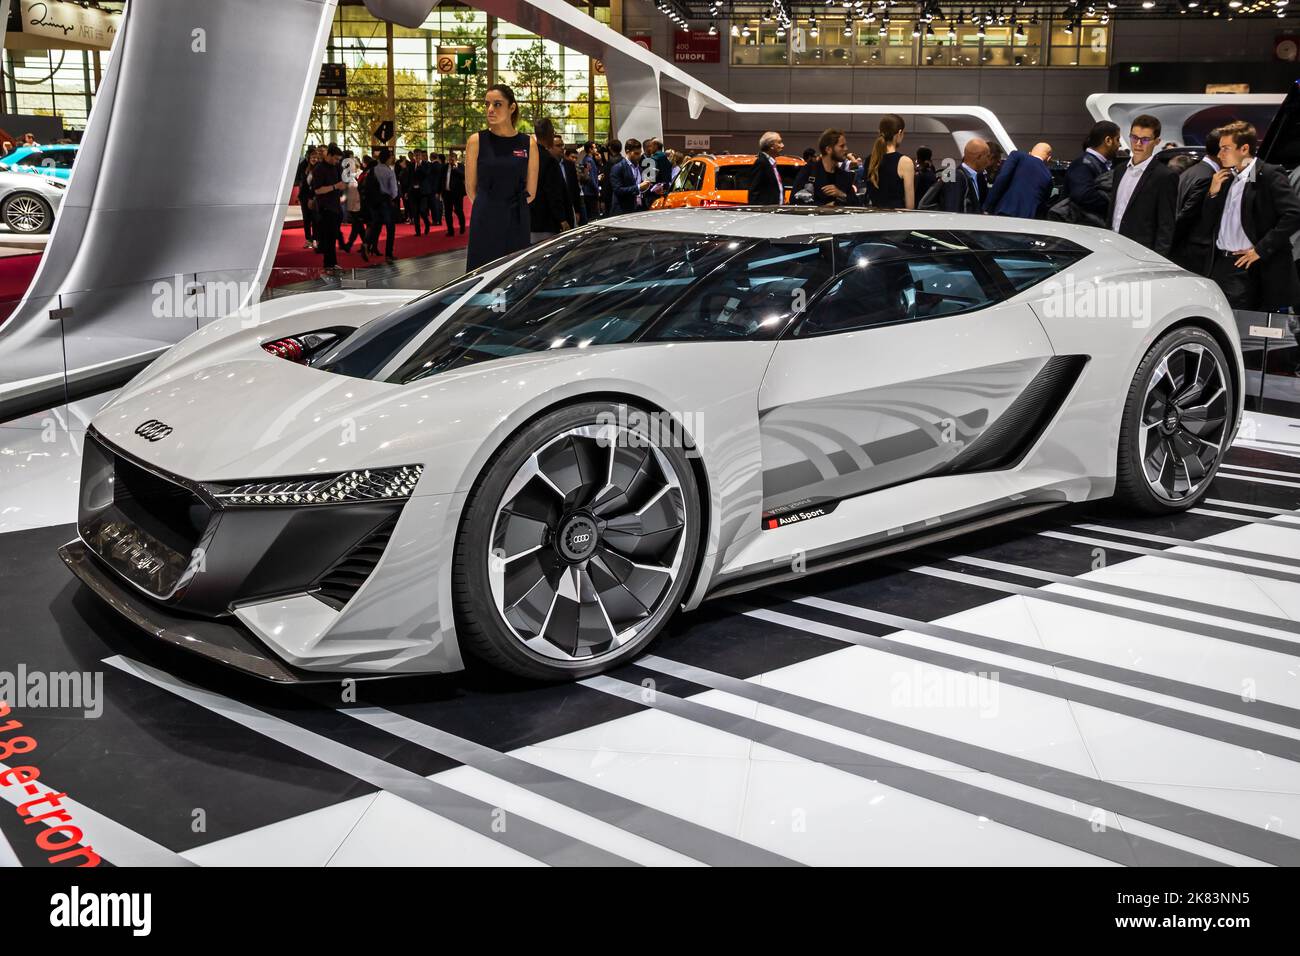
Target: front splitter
{"type": "Point", "coordinates": [228, 644]}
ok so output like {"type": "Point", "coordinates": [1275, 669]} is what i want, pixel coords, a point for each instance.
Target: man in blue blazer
{"type": "Point", "coordinates": [626, 183]}
{"type": "Point", "coordinates": [1024, 184]}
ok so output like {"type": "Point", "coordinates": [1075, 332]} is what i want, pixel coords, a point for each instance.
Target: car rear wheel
{"type": "Point", "coordinates": [576, 545]}
{"type": "Point", "coordinates": [1177, 423]}
{"type": "Point", "coordinates": [25, 212]}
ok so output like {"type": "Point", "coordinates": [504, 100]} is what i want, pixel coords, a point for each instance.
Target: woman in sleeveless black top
{"type": "Point", "coordinates": [891, 184]}
{"type": "Point", "coordinates": [501, 180]}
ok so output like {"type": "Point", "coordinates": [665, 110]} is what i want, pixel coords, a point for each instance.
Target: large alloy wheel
{"type": "Point", "coordinates": [575, 548]}
{"type": "Point", "coordinates": [1177, 423]}
{"type": "Point", "coordinates": [24, 212]}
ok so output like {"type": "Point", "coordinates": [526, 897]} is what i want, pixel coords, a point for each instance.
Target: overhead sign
{"type": "Point", "coordinates": [333, 80]}
{"type": "Point", "coordinates": [457, 61]}
{"type": "Point", "coordinates": [696, 46]}
{"type": "Point", "coordinates": [642, 40]}
{"type": "Point", "coordinates": [381, 131]}
{"type": "Point", "coordinates": [694, 141]}
{"type": "Point", "coordinates": [69, 22]}
{"type": "Point", "coordinates": [1286, 47]}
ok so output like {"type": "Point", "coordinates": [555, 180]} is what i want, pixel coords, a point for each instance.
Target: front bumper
{"type": "Point", "coordinates": [288, 593]}
{"type": "Point", "coordinates": [230, 644]}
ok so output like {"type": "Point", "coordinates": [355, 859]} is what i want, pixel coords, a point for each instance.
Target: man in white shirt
{"type": "Point", "coordinates": [1254, 212]}
{"type": "Point", "coordinates": [1144, 201]}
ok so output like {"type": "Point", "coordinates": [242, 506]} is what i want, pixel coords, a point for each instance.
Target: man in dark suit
{"type": "Point", "coordinates": [765, 188]}
{"type": "Point", "coordinates": [1144, 191]}
{"type": "Point", "coordinates": [551, 211]}
{"type": "Point", "coordinates": [1254, 212]}
{"type": "Point", "coordinates": [452, 186]}
{"type": "Point", "coordinates": [1193, 231]}
{"type": "Point", "coordinates": [1086, 202]}
{"type": "Point", "coordinates": [569, 166]}
{"type": "Point", "coordinates": [627, 187]}
{"type": "Point", "coordinates": [430, 176]}
{"type": "Point", "coordinates": [967, 190]}
{"type": "Point", "coordinates": [1023, 185]}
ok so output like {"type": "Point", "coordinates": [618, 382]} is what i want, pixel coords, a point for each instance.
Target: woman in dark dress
{"type": "Point", "coordinates": [501, 180]}
{"type": "Point", "coordinates": [891, 174]}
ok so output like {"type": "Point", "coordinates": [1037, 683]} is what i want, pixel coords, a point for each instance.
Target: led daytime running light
{"type": "Point", "coordinates": [378, 484]}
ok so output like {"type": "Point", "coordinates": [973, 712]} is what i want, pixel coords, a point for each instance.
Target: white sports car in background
{"type": "Point", "coordinates": [29, 202]}
{"type": "Point", "coordinates": [541, 461]}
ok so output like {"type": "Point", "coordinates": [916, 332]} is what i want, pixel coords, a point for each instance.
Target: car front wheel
{"type": "Point", "coordinates": [1177, 424]}
{"type": "Point", "coordinates": [577, 543]}
{"type": "Point", "coordinates": [24, 212]}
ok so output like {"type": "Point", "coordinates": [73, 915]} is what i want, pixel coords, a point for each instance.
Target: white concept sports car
{"type": "Point", "coordinates": [540, 462]}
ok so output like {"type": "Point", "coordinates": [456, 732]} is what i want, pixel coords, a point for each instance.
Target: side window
{"type": "Point", "coordinates": [32, 159]}
{"type": "Point", "coordinates": [874, 246]}
{"type": "Point", "coordinates": [752, 296]}
{"type": "Point", "coordinates": [887, 291]}
{"type": "Point", "coordinates": [63, 158]}
{"type": "Point", "coordinates": [1026, 269]}
{"type": "Point", "coordinates": [697, 176]}
{"type": "Point", "coordinates": [683, 177]}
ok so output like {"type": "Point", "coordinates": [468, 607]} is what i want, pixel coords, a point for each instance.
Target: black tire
{"type": "Point", "coordinates": [480, 613]}
{"type": "Point", "coordinates": [27, 214]}
{"type": "Point", "coordinates": [1143, 408]}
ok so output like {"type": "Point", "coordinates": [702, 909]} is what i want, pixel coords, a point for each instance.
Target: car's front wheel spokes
{"type": "Point", "coordinates": [648, 533]}
{"type": "Point", "coordinates": [529, 589]}
{"type": "Point", "coordinates": [576, 467]}
{"type": "Point", "coordinates": [587, 542]}
{"type": "Point", "coordinates": [1184, 421]}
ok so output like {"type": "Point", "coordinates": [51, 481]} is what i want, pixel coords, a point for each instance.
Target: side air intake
{"type": "Point", "coordinates": [1004, 443]}
{"type": "Point", "coordinates": [337, 586]}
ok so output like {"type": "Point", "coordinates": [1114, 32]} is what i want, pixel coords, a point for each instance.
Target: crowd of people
{"type": "Point", "coordinates": [364, 197]}
{"type": "Point", "coordinates": [1227, 216]}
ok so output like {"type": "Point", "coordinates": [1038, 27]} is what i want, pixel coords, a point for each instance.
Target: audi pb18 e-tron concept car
{"type": "Point", "coordinates": [540, 462]}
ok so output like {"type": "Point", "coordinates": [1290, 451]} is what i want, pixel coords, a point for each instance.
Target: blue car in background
{"type": "Point", "coordinates": [54, 161]}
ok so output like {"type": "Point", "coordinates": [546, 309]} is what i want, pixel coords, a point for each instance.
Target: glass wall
{"type": "Point", "coordinates": [58, 83]}
{"type": "Point", "coordinates": [440, 72]}
{"type": "Point", "coordinates": [903, 43]}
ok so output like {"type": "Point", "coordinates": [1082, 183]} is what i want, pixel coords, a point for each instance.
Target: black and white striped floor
{"type": "Point", "coordinates": [1084, 689]}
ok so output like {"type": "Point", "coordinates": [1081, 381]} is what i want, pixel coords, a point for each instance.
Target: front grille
{"type": "Point", "coordinates": [337, 586]}
{"type": "Point", "coordinates": [146, 525]}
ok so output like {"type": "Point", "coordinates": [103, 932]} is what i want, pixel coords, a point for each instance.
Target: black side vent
{"type": "Point", "coordinates": [1004, 443]}
{"type": "Point", "coordinates": [340, 582]}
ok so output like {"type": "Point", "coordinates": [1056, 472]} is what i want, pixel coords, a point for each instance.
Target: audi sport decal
{"type": "Point", "coordinates": [793, 514]}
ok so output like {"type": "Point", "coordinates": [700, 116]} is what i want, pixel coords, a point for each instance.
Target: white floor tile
{"type": "Point", "coordinates": [394, 832]}
{"type": "Point", "coordinates": [306, 840]}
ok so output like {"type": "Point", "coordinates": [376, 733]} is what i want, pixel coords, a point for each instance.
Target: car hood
{"type": "Point", "coordinates": [257, 416]}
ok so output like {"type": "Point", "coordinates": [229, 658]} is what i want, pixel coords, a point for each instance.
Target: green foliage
{"type": "Point", "coordinates": [536, 80]}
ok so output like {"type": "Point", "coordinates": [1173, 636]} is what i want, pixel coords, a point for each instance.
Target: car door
{"type": "Point", "coordinates": [895, 371]}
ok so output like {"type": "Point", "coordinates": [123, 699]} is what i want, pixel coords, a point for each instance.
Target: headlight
{"type": "Point", "coordinates": [372, 484]}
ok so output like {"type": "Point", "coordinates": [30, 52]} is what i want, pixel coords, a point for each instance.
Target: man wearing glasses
{"type": "Point", "coordinates": [1144, 191]}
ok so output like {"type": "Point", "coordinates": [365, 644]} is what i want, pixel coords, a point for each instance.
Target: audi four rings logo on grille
{"type": "Point", "coordinates": [153, 430]}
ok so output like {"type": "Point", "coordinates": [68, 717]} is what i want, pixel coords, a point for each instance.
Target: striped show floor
{"type": "Point", "coordinates": [1088, 688]}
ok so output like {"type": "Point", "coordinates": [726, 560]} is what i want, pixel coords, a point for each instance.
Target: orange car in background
{"type": "Point", "coordinates": [721, 181]}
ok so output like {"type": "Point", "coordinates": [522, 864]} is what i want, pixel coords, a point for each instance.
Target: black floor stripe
{"type": "Point", "coordinates": [1261, 458]}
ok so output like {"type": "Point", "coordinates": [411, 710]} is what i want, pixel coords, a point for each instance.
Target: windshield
{"type": "Point", "coordinates": [597, 287]}
{"type": "Point", "coordinates": [594, 286]}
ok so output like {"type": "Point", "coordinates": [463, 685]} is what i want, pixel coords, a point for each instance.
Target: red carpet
{"type": "Point", "coordinates": [293, 263]}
